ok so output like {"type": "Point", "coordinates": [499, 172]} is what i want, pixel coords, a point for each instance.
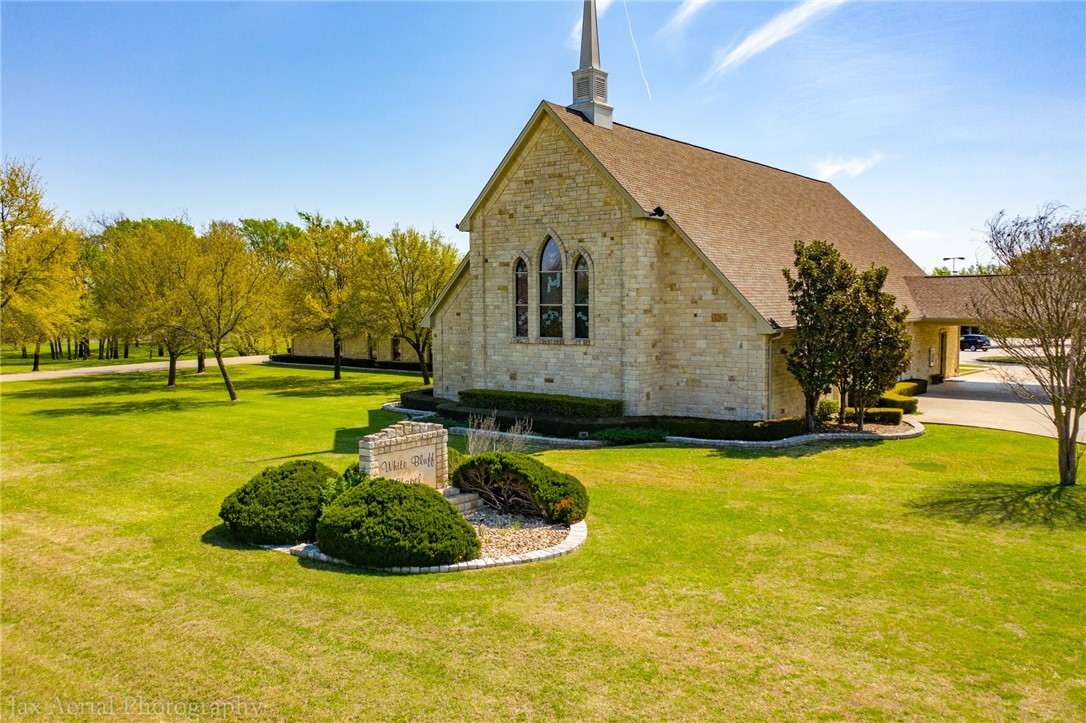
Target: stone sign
{"type": "Point", "coordinates": [408, 452]}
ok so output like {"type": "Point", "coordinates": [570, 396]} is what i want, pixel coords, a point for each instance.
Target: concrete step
{"type": "Point", "coordinates": [462, 501]}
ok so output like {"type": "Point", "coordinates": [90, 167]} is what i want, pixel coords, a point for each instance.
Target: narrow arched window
{"type": "Point", "coordinates": [580, 297]}
{"type": "Point", "coordinates": [550, 291]}
{"type": "Point", "coordinates": [520, 315]}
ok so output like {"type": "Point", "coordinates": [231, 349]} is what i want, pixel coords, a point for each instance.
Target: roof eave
{"type": "Point", "coordinates": [427, 320]}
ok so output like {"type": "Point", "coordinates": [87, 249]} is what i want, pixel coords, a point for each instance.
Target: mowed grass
{"type": "Point", "coordinates": [931, 578]}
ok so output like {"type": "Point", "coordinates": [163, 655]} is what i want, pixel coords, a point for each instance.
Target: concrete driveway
{"type": "Point", "coordinates": [985, 399]}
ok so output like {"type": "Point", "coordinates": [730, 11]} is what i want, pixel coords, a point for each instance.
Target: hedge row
{"type": "Point", "coordinates": [903, 396]}
{"type": "Point", "coordinates": [571, 427]}
{"type": "Point", "coordinates": [422, 399]}
{"type": "Point", "coordinates": [877, 415]}
{"type": "Point", "coordinates": [559, 404]}
{"type": "Point", "coordinates": [407, 366]}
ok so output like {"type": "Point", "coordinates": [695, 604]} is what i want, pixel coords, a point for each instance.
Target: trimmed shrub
{"type": "Point", "coordinates": [900, 397]}
{"type": "Point", "coordinates": [768, 430]}
{"type": "Point", "coordinates": [629, 435]}
{"type": "Point", "coordinates": [514, 482]}
{"type": "Point", "coordinates": [280, 505]}
{"type": "Point", "coordinates": [559, 404]}
{"type": "Point", "coordinates": [921, 386]}
{"type": "Point", "coordinates": [333, 488]}
{"type": "Point", "coordinates": [385, 523]}
{"type": "Point", "coordinates": [827, 409]}
{"type": "Point", "coordinates": [456, 458]}
{"type": "Point", "coordinates": [422, 399]}
{"type": "Point", "coordinates": [876, 415]}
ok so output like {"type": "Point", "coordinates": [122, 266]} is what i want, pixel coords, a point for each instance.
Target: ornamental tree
{"type": "Point", "coordinates": [817, 292]}
{"type": "Point", "coordinates": [1036, 314]}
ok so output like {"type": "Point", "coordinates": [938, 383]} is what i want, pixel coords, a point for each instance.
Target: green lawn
{"type": "Point", "coordinates": [933, 578]}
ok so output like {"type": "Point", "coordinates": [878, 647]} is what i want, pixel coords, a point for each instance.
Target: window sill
{"type": "Point", "coordinates": [549, 341]}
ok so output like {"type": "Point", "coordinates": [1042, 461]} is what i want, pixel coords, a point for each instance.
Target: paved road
{"type": "Point", "coordinates": [985, 399]}
{"type": "Point", "coordinates": [126, 369]}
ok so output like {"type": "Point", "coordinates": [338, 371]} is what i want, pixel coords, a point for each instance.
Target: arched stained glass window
{"type": "Point", "coordinates": [580, 297]}
{"type": "Point", "coordinates": [550, 291]}
{"type": "Point", "coordinates": [520, 275]}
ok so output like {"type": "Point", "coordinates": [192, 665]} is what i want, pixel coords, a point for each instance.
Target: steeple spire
{"type": "Point", "coordinates": [590, 38]}
{"type": "Point", "coordinates": [589, 81]}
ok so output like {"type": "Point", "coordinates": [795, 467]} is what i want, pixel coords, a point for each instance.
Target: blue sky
{"type": "Point", "coordinates": [929, 117]}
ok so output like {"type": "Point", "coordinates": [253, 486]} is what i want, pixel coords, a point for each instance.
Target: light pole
{"type": "Point", "coordinates": [953, 263]}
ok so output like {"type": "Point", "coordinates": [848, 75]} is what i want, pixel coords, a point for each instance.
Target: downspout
{"type": "Point", "coordinates": [769, 372]}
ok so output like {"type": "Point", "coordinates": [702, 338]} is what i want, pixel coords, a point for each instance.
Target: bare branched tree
{"type": "Point", "coordinates": [1037, 314]}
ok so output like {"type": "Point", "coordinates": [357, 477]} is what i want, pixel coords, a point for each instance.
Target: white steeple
{"type": "Point", "coordinates": [589, 82]}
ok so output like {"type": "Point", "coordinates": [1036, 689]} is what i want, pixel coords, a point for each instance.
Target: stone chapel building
{"type": "Point", "coordinates": [607, 261]}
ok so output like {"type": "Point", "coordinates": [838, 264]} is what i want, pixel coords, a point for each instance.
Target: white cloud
{"type": "Point", "coordinates": [575, 33]}
{"type": "Point", "coordinates": [782, 26]}
{"type": "Point", "coordinates": [683, 15]}
{"type": "Point", "coordinates": [846, 166]}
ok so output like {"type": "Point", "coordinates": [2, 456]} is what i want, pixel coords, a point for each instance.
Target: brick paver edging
{"type": "Point", "coordinates": [578, 533]}
{"type": "Point", "coordinates": [916, 431]}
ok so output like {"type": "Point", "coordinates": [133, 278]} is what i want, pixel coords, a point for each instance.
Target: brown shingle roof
{"type": "Point", "coordinates": [743, 216]}
{"type": "Point", "coordinates": [948, 298]}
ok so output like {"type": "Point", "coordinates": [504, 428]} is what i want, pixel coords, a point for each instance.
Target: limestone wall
{"type": "Point", "coordinates": [926, 338]}
{"type": "Point", "coordinates": [321, 345]}
{"type": "Point", "coordinates": [552, 190]}
{"type": "Point", "coordinates": [452, 332]}
{"type": "Point", "coordinates": [667, 335]}
{"type": "Point", "coordinates": [712, 360]}
{"type": "Point", "coordinates": [786, 396]}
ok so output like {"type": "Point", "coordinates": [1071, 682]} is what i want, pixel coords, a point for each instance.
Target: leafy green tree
{"type": "Point", "coordinates": [974, 270]}
{"type": "Point", "coordinates": [874, 340]}
{"type": "Point", "coordinates": [817, 292]}
{"type": "Point", "coordinates": [409, 271]}
{"type": "Point", "coordinates": [327, 268]}
{"type": "Point", "coordinates": [41, 280]}
{"type": "Point", "coordinates": [221, 282]}
{"type": "Point", "coordinates": [139, 287]}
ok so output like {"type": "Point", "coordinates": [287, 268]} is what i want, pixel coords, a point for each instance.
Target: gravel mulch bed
{"type": "Point", "coordinates": [868, 427]}
{"type": "Point", "coordinates": [509, 534]}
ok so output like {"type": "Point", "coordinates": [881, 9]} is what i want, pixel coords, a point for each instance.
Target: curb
{"type": "Point", "coordinates": [578, 533]}
{"type": "Point", "coordinates": [916, 431]}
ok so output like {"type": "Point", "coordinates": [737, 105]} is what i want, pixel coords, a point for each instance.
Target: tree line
{"type": "Point", "coordinates": [243, 285]}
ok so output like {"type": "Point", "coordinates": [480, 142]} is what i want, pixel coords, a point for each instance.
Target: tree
{"type": "Point", "coordinates": [220, 281]}
{"type": "Point", "coordinates": [974, 270]}
{"type": "Point", "coordinates": [874, 341]}
{"type": "Point", "coordinates": [139, 288]}
{"type": "Point", "coordinates": [816, 292]}
{"type": "Point", "coordinates": [1037, 314]}
{"type": "Point", "coordinates": [41, 282]}
{"type": "Point", "coordinates": [409, 272]}
{"type": "Point", "coordinates": [327, 268]}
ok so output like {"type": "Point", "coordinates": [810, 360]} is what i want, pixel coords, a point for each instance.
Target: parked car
{"type": "Point", "coordinates": [972, 342]}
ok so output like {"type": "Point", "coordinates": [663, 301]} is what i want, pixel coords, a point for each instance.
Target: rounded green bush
{"type": "Point", "coordinates": [514, 482]}
{"type": "Point", "coordinates": [279, 506]}
{"type": "Point", "coordinates": [385, 523]}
